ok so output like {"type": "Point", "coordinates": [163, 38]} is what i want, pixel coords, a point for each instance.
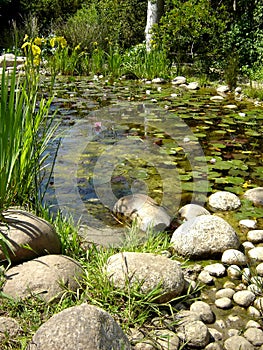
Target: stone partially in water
{"type": "Point", "coordinates": [190, 211]}
{"type": "Point", "coordinates": [204, 236]}
{"type": "Point", "coordinates": [223, 200]}
{"type": "Point", "coordinates": [144, 210]}
{"type": "Point", "coordinates": [255, 195]}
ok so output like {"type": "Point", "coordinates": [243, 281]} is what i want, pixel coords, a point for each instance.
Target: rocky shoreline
{"type": "Point", "coordinates": [226, 293]}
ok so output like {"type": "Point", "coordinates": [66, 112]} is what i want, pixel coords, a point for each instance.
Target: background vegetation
{"type": "Point", "coordinates": [203, 33]}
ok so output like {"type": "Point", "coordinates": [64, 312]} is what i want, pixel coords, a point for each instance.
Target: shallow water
{"type": "Point", "coordinates": [134, 137]}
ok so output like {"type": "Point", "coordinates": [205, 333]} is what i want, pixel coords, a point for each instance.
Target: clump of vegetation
{"type": "Point", "coordinates": [129, 306]}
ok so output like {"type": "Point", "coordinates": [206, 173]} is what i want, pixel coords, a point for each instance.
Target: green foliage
{"type": "Point", "coordinates": [142, 64]}
{"type": "Point", "coordinates": [48, 11]}
{"type": "Point", "coordinates": [190, 31]}
{"type": "Point", "coordinates": [231, 70]}
{"type": "Point", "coordinates": [84, 28]}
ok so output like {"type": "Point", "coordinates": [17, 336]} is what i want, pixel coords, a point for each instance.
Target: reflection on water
{"type": "Point", "coordinates": [176, 155]}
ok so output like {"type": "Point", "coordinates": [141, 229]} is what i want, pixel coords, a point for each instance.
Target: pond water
{"type": "Point", "coordinates": [176, 146]}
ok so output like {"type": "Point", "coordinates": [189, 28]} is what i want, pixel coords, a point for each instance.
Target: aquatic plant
{"type": "Point", "coordinates": [26, 129]}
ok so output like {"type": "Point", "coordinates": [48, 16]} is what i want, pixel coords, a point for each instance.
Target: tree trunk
{"type": "Point", "coordinates": [154, 12]}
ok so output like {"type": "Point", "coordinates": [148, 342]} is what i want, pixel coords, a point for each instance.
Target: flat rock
{"type": "Point", "coordinates": [44, 277]}
{"type": "Point", "coordinates": [234, 272]}
{"type": "Point", "coordinates": [248, 223]}
{"type": "Point", "coordinates": [193, 85]}
{"type": "Point", "coordinates": [225, 293]}
{"type": "Point", "coordinates": [80, 327]}
{"type": "Point", "coordinates": [204, 237]}
{"type": "Point", "coordinates": [223, 200]}
{"type": "Point", "coordinates": [29, 236]}
{"type": "Point", "coordinates": [150, 270]}
{"type": "Point", "coordinates": [222, 88]}
{"type": "Point", "coordinates": [217, 98]}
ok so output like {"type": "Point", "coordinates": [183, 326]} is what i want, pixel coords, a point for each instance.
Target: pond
{"type": "Point", "coordinates": [175, 145]}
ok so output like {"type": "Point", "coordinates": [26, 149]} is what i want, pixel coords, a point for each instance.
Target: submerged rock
{"type": "Point", "coordinates": [255, 195]}
{"type": "Point", "coordinates": [223, 200]}
{"type": "Point", "coordinates": [190, 211]}
{"type": "Point", "coordinates": [144, 210]}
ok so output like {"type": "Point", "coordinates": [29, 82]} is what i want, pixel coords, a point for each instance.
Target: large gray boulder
{"type": "Point", "coordinates": [28, 236]}
{"type": "Point", "coordinates": [45, 277]}
{"type": "Point", "coordinates": [149, 270]}
{"type": "Point", "coordinates": [205, 236]}
{"type": "Point", "coordinates": [83, 327]}
{"type": "Point", "coordinates": [144, 210]}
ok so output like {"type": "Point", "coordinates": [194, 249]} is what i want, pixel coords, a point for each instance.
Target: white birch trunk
{"type": "Point", "coordinates": [154, 13]}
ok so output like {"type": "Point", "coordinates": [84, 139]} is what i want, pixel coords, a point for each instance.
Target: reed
{"type": "Point", "coordinates": [26, 129]}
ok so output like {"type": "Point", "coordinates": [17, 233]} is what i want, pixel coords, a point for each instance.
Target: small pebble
{"type": "Point", "coordinates": [252, 324]}
{"type": "Point", "coordinates": [223, 303]}
{"type": "Point", "coordinates": [255, 236]}
{"type": "Point", "coordinates": [256, 254]}
{"type": "Point", "coordinates": [205, 277]}
{"type": "Point", "coordinates": [244, 298]}
{"type": "Point", "coordinates": [203, 310]}
{"type": "Point", "coordinates": [254, 336]}
{"type": "Point", "coordinates": [234, 272]}
{"type": "Point", "coordinates": [258, 303]}
{"type": "Point", "coordinates": [233, 257]}
{"type": "Point", "coordinates": [216, 335]}
{"type": "Point", "coordinates": [246, 275]}
{"type": "Point", "coordinates": [253, 312]}
{"type": "Point", "coordinates": [225, 293]}
{"type": "Point", "coordinates": [229, 284]}
{"type": "Point", "coordinates": [213, 346]}
{"type": "Point", "coordinates": [232, 332]}
{"type": "Point", "coordinates": [237, 342]}
{"type": "Point", "coordinates": [254, 288]}
{"type": "Point", "coordinates": [248, 245]}
{"type": "Point", "coordinates": [248, 223]}
{"type": "Point", "coordinates": [216, 269]}
{"type": "Point", "coordinates": [259, 269]}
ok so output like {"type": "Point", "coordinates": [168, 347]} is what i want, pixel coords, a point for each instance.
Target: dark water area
{"type": "Point", "coordinates": [177, 146]}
